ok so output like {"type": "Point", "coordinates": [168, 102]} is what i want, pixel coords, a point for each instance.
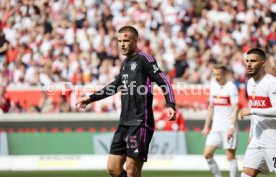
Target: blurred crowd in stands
{"type": "Point", "coordinates": [74, 41]}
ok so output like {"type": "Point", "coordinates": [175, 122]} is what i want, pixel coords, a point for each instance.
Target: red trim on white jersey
{"type": "Point", "coordinates": [259, 102]}
{"type": "Point", "coordinates": [221, 100]}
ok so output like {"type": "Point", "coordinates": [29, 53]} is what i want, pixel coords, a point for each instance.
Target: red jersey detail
{"type": "Point", "coordinates": [221, 100]}
{"type": "Point", "coordinates": [259, 102]}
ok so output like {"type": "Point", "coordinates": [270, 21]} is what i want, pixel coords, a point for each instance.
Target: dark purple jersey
{"type": "Point", "coordinates": [134, 82]}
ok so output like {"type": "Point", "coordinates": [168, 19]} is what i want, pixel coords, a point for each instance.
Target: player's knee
{"type": "Point", "coordinates": [231, 157]}
{"type": "Point", "coordinates": [231, 154]}
{"type": "Point", "coordinates": [245, 175]}
{"type": "Point", "coordinates": [208, 155]}
{"type": "Point", "coordinates": [248, 172]}
{"type": "Point", "coordinates": [113, 171]}
{"type": "Point", "coordinates": [132, 171]}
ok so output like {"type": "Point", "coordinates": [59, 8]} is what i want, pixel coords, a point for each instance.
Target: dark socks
{"type": "Point", "coordinates": [123, 174]}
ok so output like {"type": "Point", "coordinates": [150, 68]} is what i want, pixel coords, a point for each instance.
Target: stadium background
{"type": "Point", "coordinates": [52, 52]}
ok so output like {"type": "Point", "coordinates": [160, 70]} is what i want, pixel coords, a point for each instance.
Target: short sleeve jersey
{"type": "Point", "coordinates": [223, 97]}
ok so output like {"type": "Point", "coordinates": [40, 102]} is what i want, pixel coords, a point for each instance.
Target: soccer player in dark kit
{"type": "Point", "coordinates": [136, 126]}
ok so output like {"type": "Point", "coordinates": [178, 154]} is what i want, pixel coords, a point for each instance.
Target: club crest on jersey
{"type": "Point", "coordinates": [133, 65]}
{"type": "Point", "coordinates": [253, 92]}
{"type": "Point", "coordinates": [155, 68]}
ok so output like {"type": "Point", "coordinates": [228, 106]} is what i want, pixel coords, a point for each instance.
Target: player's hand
{"type": "Point", "coordinates": [205, 131]}
{"type": "Point", "coordinates": [230, 133]}
{"type": "Point", "coordinates": [248, 141]}
{"type": "Point", "coordinates": [83, 102]}
{"type": "Point", "coordinates": [171, 114]}
{"type": "Point", "coordinates": [245, 112]}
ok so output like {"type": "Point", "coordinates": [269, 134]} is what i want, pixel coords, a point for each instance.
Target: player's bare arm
{"type": "Point", "coordinates": [210, 112]}
{"type": "Point", "coordinates": [234, 118]}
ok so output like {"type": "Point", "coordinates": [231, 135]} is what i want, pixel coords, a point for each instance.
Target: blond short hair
{"type": "Point", "coordinates": [221, 67]}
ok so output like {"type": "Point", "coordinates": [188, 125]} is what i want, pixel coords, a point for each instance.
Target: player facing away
{"type": "Point", "coordinates": [260, 155]}
{"type": "Point", "coordinates": [131, 140]}
{"type": "Point", "coordinates": [223, 108]}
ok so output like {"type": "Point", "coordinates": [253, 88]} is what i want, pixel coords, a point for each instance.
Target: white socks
{"type": "Point", "coordinates": [233, 168]}
{"type": "Point", "coordinates": [214, 167]}
{"type": "Point", "coordinates": [244, 175]}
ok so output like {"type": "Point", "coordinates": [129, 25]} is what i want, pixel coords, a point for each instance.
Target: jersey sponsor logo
{"type": "Point", "coordinates": [221, 100]}
{"type": "Point", "coordinates": [133, 65]}
{"type": "Point", "coordinates": [155, 68]}
{"type": "Point", "coordinates": [259, 102]}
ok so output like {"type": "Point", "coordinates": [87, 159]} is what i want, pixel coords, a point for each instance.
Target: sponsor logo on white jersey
{"type": "Point", "coordinates": [259, 102]}
{"type": "Point", "coordinates": [221, 100]}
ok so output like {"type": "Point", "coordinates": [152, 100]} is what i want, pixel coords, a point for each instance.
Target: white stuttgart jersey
{"type": "Point", "coordinates": [262, 94]}
{"type": "Point", "coordinates": [223, 97]}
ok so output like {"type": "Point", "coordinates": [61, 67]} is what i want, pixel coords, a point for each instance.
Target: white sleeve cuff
{"type": "Point", "coordinates": [267, 112]}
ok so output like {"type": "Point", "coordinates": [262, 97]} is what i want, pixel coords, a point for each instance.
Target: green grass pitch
{"type": "Point", "coordinates": [104, 174]}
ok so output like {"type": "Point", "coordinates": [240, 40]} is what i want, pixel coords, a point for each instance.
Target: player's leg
{"type": "Point", "coordinates": [230, 150]}
{"type": "Point", "coordinates": [117, 155]}
{"type": "Point", "coordinates": [115, 165]}
{"type": "Point", "coordinates": [209, 154]}
{"type": "Point", "coordinates": [138, 141]}
{"type": "Point", "coordinates": [134, 166]}
{"type": "Point", "coordinates": [209, 151]}
{"type": "Point", "coordinates": [254, 163]}
{"type": "Point", "coordinates": [249, 172]}
{"type": "Point", "coordinates": [231, 156]}
{"type": "Point", "coordinates": [212, 142]}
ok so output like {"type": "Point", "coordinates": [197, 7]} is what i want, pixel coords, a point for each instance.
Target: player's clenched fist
{"type": "Point", "coordinates": [245, 112]}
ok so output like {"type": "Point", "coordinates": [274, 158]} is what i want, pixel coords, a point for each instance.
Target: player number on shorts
{"type": "Point", "coordinates": [274, 160]}
{"type": "Point", "coordinates": [132, 142]}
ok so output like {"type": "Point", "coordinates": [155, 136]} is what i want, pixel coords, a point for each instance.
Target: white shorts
{"type": "Point", "coordinates": [219, 139]}
{"type": "Point", "coordinates": [260, 159]}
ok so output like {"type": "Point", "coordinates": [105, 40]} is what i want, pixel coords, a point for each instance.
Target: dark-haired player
{"type": "Point", "coordinates": [260, 155]}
